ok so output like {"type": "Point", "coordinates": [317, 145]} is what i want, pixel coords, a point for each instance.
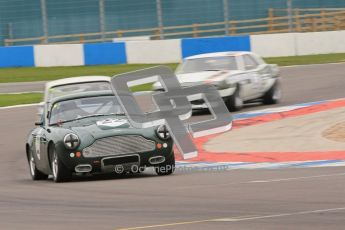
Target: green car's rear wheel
{"type": "Point", "coordinates": [60, 172]}
{"type": "Point", "coordinates": [34, 172]}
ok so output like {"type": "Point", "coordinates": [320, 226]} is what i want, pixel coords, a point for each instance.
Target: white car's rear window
{"type": "Point", "coordinates": [208, 64]}
{"type": "Point", "coordinates": [69, 89]}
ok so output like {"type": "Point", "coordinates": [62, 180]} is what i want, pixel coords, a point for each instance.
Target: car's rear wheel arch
{"type": "Point", "coordinates": [27, 150]}
{"type": "Point", "coordinates": [36, 174]}
{"type": "Point", "coordinates": [235, 101]}
{"type": "Point", "coordinates": [238, 89]}
{"type": "Point", "coordinates": [274, 94]}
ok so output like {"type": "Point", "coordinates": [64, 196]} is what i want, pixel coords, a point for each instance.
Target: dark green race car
{"type": "Point", "coordinates": [87, 133]}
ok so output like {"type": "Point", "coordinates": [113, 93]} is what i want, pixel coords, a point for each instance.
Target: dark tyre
{"type": "Point", "coordinates": [166, 168]}
{"type": "Point", "coordinates": [34, 172]}
{"type": "Point", "coordinates": [234, 102]}
{"type": "Point", "coordinates": [60, 172]}
{"type": "Point", "coordinates": [273, 95]}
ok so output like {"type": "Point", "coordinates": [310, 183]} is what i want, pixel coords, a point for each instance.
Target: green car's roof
{"type": "Point", "coordinates": [82, 95]}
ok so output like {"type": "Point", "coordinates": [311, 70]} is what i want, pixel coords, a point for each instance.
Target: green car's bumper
{"type": "Point", "coordinates": [106, 159]}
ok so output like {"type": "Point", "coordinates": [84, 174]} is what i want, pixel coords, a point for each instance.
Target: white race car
{"type": "Point", "coordinates": [240, 77]}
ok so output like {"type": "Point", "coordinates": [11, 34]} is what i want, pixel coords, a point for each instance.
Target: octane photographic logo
{"type": "Point", "coordinates": [173, 107]}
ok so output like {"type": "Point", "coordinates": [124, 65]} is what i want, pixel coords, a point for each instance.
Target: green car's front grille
{"type": "Point", "coordinates": [117, 145]}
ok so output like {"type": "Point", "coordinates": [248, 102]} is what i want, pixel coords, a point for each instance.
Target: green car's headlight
{"type": "Point", "coordinates": [163, 132]}
{"type": "Point", "coordinates": [71, 141]}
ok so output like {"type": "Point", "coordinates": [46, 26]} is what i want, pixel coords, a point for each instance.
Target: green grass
{"type": "Point", "coordinates": [145, 87]}
{"type": "Point", "coordinates": [18, 99]}
{"type": "Point", "coordinates": [307, 59]}
{"type": "Point", "coordinates": [53, 73]}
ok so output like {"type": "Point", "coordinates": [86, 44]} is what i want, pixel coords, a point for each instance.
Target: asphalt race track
{"type": "Point", "coordinates": [305, 198]}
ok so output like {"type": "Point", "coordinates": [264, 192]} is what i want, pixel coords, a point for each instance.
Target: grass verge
{"type": "Point", "coordinates": [307, 59]}
{"type": "Point", "coordinates": [19, 99]}
{"type": "Point", "coordinates": [52, 73]}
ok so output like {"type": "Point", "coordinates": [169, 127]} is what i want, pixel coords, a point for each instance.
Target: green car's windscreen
{"type": "Point", "coordinates": [70, 110]}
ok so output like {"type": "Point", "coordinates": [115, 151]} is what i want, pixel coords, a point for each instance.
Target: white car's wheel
{"type": "Point", "coordinates": [234, 102]}
{"type": "Point", "coordinates": [273, 95]}
{"type": "Point", "coordinates": [34, 172]}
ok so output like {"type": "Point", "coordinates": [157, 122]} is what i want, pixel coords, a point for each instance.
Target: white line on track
{"type": "Point", "coordinates": [283, 214]}
{"type": "Point", "coordinates": [260, 181]}
{"type": "Point", "coordinates": [24, 92]}
{"type": "Point", "coordinates": [239, 218]}
{"type": "Point", "coordinates": [17, 106]}
{"type": "Point", "coordinates": [296, 178]}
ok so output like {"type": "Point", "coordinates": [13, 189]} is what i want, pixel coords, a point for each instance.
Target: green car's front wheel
{"type": "Point", "coordinates": [166, 168]}
{"type": "Point", "coordinates": [60, 172]}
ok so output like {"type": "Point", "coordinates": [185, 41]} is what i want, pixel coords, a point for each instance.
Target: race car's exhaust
{"type": "Point", "coordinates": [83, 168]}
{"type": "Point", "coordinates": [156, 160]}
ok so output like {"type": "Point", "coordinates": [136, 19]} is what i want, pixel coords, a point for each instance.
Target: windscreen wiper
{"type": "Point", "coordinates": [212, 70]}
{"type": "Point", "coordinates": [88, 116]}
{"type": "Point", "coordinates": [79, 118]}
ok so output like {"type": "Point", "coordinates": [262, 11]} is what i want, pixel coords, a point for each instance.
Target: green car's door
{"type": "Point", "coordinates": [39, 149]}
{"type": "Point", "coordinates": [44, 150]}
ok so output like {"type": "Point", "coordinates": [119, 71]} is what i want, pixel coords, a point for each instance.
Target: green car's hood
{"type": "Point", "coordinates": [90, 130]}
